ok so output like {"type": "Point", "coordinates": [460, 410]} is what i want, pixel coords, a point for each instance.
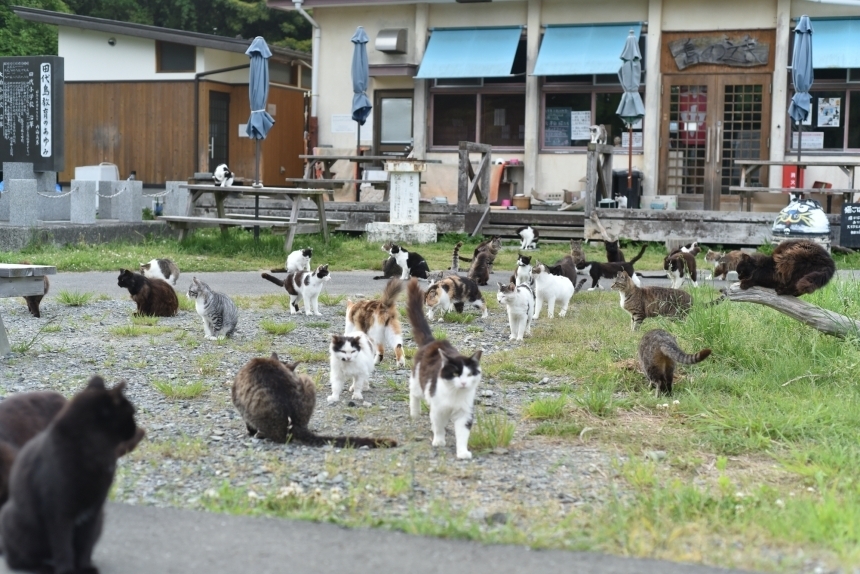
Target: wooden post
{"type": "Point", "coordinates": [598, 175]}
{"type": "Point", "coordinates": [471, 183]}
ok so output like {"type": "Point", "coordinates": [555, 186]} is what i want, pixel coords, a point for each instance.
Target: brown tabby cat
{"type": "Point", "coordinates": [380, 320]}
{"type": "Point", "coordinates": [489, 246]}
{"type": "Point", "coordinates": [726, 263]}
{"type": "Point", "coordinates": [576, 251]}
{"type": "Point", "coordinates": [658, 353]}
{"type": "Point", "coordinates": [795, 268]}
{"type": "Point", "coordinates": [480, 270]}
{"type": "Point", "coordinates": [153, 296]}
{"type": "Point", "coordinates": [277, 404]}
{"type": "Point", "coordinates": [644, 302]}
{"type": "Point", "coordinates": [455, 257]}
{"type": "Point", "coordinates": [33, 301]}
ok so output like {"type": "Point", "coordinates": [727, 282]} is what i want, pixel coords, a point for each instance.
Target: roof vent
{"type": "Point", "coordinates": [391, 41]}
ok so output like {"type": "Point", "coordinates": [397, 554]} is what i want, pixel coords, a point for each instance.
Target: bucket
{"type": "Point", "coordinates": [522, 202]}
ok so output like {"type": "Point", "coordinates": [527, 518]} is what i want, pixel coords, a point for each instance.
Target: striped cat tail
{"type": "Point", "coordinates": [674, 352]}
{"type": "Point", "coordinates": [273, 279]}
{"type": "Point", "coordinates": [307, 437]}
{"type": "Point", "coordinates": [392, 291]}
{"type": "Point", "coordinates": [415, 307]}
{"type": "Point", "coordinates": [455, 261]}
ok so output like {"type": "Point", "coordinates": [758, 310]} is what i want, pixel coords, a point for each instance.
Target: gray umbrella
{"type": "Point", "coordinates": [260, 121]}
{"type": "Point", "coordinates": [360, 74]}
{"type": "Point", "coordinates": [801, 77]}
{"type": "Point", "coordinates": [630, 109]}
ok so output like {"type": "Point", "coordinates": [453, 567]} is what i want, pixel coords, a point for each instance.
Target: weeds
{"type": "Point", "coordinates": [275, 328]}
{"type": "Point", "coordinates": [74, 298]}
{"type": "Point", "coordinates": [178, 389]}
{"type": "Point", "coordinates": [491, 431]}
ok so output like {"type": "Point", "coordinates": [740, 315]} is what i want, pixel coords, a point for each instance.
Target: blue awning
{"type": "Point", "coordinates": [470, 53]}
{"type": "Point", "coordinates": [583, 49]}
{"type": "Point", "coordinates": [835, 42]}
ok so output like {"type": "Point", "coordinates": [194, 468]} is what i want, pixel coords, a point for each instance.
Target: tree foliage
{"type": "Point", "coordinates": [18, 37]}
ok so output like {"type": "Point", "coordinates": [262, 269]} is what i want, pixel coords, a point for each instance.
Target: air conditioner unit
{"type": "Point", "coordinates": [458, 82]}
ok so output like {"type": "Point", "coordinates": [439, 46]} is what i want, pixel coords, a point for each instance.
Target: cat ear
{"type": "Point", "coordinates": [501, 286]}
{"type": "Point", "coordinates": [274, 357]}
{"type": "Point", "coordinates": [476, 356]}
{"type": "Point", "coordinates": [96, 383]}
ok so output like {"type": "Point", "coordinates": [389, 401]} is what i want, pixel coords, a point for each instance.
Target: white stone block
{"type": "Point", "coordinates": [23, 202]}
{"type": "Point", "coordinates": [83, 206]}
{"type": "Point", "coordinates": [420, 233]}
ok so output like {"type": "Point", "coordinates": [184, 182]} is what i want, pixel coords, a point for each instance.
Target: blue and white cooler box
{"type": "Point", "coordinates": [801, 217]}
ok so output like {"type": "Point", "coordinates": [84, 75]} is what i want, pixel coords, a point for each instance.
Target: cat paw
{"type": "Point", "coordinates": [357, 397]}
{"type": "Point", "coordinates": [332, 399]}
{"type": "Point", "coordinates": [438, 441]}
{"type": "Point", "coordinates": [592, 288]}
{"type": "Point", "coordinates": [211, 338]}
{"type": "Point", "coordinates": [562, 313]}
{"type": "Point", "coordinates": [465, 455]}
{"type": "Point", "coordinates": [318, 314]}
{"type": "Point", "coordinates": [511, 337]}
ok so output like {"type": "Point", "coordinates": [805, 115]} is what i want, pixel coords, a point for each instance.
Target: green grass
{"type": "Point", "coordinates": [490, 431]}
{"type": "Point", "coordinates": [275, 328]}
{"type": "Point", "coordinates": [298, 354]}
{"type": "Point", "coordinates": [179, 389]}
{"type": "Point", "coordinates": [186, 304]}
{"type": "Point", "coordinates": [462, 318]}
{"type": "Point", "coordinates": [74, 298]}
{"type": "Point", "coordinates": [331, 300]}
{"type": "Point", "coordinates": [546, 408]}
{"type": "Point", "coordinates": [318, 325]}
{"type": "Point", "coordinates": [134, 329]}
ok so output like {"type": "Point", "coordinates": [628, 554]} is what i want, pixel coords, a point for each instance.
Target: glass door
{"type": "Point", "coordinates": [393, 111]}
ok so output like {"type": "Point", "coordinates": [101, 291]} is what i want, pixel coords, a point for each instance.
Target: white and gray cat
{"type": "Point", "coordinates": [520, 303]}
{"type": "Point", "coordinates": [298, 260]}
{"type": "Point", "coordinates": [161, 269]}
{"type": "Point", "coordinates": [219, 313]}
{"type": "Point", "coordinates": [305, 286]}
{"type": "Point", "coordinates": [352, 358]}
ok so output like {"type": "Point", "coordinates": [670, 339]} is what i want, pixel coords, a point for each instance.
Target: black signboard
{"type": "Point", "coordinates": [31, 111]}
{"type": "Point", "coordinates": [849, 225]}
{"type": "Point", "coordinates": [556, 127]}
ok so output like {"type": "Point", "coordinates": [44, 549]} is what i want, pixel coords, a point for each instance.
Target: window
{"type": "Point", "coordinates": [831, 125]}
{"type": "Point", "coordinates": [172, 57]}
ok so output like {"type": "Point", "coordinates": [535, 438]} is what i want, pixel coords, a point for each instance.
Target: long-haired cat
{"type": "Point", "coordinates": [219, 313]}
{"type": "Point", "coordinates": [152, 296]}
{"type": "Point", "coordinates": [33, 301]}
{"type": "Point", "coordinates": [447, 380]}
{"type": "Point", "coordinates": [411, 263]}
{"type": "Point", "coordinates": [298, 260]}
{"type": "Point", "coordinates": [453, 293]}
{"type": "Point", "coordinates": [680, 265]}
{"type": "Point", "coordinates": [305, 286]}
{"type": "Point", "coordinates": [598, 269]}
{"type": "Point", "coordinates": [644, 302]}
{"type": "Point", "coordinates": [60, 482]}
{"type": "Point", "coordinates": [164, 269]}
{"type": "Point", "coordinates": [529, 237]}
{"type": "Point", "coordinates": [390, 268]}
{"type": "Point", "coordinates": [380, 320]}
{"type": "Point", "coordinates": [277, 403]}
{"type": "Point", "coordinates": [658, 353]}
{"type": "Point", "coordinates": [725, 263]}
{"type": "Point", "coordinates": [520, 303]}
{"type": "Point", "coordinates": [351, 360]}
{"type": "Point", "coordinates": [795, 268]}
{"type": "Point", "coordinates": [550, 288]}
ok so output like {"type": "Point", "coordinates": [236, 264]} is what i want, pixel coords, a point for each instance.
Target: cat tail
{"type": "Point", "coordinates": [281, 270]}
{"type": "Point", "coordinates": [675, 353]}
{"type": "Point", "coordinates": [415, 306]}
{"type": "Point", "coordinates": [639, 256]}
{"type": "Point", "coordinates": [392, 291]}
{"type": "Point", "coordinates": [273, 279]}
{"type": "Point", "coordinates": [455, 262]}
{"type": "Point", "coordinates": [578, 287]}
{"type": "Point", "coordinates": [307, 437]}
{"type": "Point", "coordinates": [812, 282]}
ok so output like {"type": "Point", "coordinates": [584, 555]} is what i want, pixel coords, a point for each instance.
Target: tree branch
{"type": "Point", "coordinates": [601, 229]}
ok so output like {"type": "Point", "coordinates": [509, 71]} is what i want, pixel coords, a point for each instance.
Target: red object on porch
{"type": "Point", "coordinates": [790, 177]}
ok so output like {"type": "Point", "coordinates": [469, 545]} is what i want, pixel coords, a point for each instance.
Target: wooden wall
{"type": "Point", "coordinates": [668, 65]}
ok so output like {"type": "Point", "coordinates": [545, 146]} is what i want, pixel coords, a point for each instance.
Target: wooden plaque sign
{"type": "Point", "coordinates": [744, 51]}
{"type": "Point", "coordinates": [849, 225]}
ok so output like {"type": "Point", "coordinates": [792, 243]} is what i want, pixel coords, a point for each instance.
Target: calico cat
{"type": "Point", "coordinates": [658, 353]}
{"type": "Point", "coordinates": [298, 260]}
{"type": "Point", "coordinates": [33, 301]}
{"type": "Point", "coordinates": [596, 269]}
{"type": "Point", "coordinates": [678, 266]}
{"type": "Point", "coordinates": [529, 237]}
{"type": "Point", "coordinates": [163, 269]}
{"type": "Point", "coordinates": [795, 268]}
{"type": "Point", "coordinates": [447, 380]}
{"type": "Point", "coordinates": [644, 302]}
{"type": "Point", "coordinates": [380, 320]}
{"type": "Point", "coordinates": [60, 481]}
{"type": "Point", "coordinates": [277, 403]}
{"type": "Point", "coordinates": [479, 271]}
{"type": "Point", "coordinates": [390, 268]}
{"type": "Point", "coordinates": [523, 272]}
{"type": "Point", "coordinates": [303, 285]}
{"type": "Point", "coordinates": [153, 296]}
{"type": "Point", "coordinates": [453, 293]}
{"type": "Point", "coordinates": [455, 258]}
{"type": "Point", "coordinates": [550, 288]}
{"type": "Point", "coordinates": [489, 246]}
{"type": "Point", "coordinates": [613, 252]}
{"type": "Point", "coordinates": [217, 310]}
{"type": "Point", "coordinates": [725, 263]}
{"type": "Point", "coordinates": [520, 303]}
{"type": "Point", "coordinates": [351, 358]}
{"type": "Point", "coordinates": [410, 262]}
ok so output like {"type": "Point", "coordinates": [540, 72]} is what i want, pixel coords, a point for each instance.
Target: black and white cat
{"type": "Point", "coordinates": [410, 262]}
{"type": "Point", "coordinates": [352, 359]}
{"type": "Point", "coordinates": [520, 303]}
{"type": "Point", "coordinates": [217, 310]}
{"type": "Point", "coordinates": [303, 285]}
{"type": "Point", "coordinates": [223, 176]}
{"type": "Point", "coordinates": [523, 272]}
{"type": "Point", "coordinates": [164, 269]}
{"type": "Point", "coordinates": [529, 237]}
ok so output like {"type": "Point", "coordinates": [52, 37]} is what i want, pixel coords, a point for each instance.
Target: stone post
{"type": "Point", "coordinates": [176, 201]}
{"type": "Point", "coordinates": [403, 225]}
{"type": "Point", "coordinates": [126, 206]}
{"type": "Point", "coordinates": [83, 205]}
{"type": "Point", "coordinates": [23, 204]}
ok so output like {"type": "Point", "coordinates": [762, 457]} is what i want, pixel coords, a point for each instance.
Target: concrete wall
{"type": "Point", "coordinates": [723, 15]}
{"type": "Point", "coordinates": [589, 12]}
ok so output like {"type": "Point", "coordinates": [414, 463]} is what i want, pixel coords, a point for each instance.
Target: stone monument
{"type": "Point", "coordinates": [403, 225]}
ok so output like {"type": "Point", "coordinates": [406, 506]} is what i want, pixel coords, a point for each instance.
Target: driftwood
{"type": "Point", "coordinates": [840, 249]}
{"type": "Point", "coordinates": [606, 237]}
{"type": "Point", "coordinates": [827, 322]}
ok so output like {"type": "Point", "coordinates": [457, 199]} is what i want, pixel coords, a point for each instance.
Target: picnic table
{"type": "Point", "coordinates": [290, 226]}
{"type": "Point", "coordinates": [20, 281]}
{"type": "Point", "coordinates": [750, 166]}
{"type": "Point", "coordinates": [327, 181]}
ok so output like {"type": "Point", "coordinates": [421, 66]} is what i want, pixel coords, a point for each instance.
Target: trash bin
{"type": "Point", "coordinates": [619, 186]}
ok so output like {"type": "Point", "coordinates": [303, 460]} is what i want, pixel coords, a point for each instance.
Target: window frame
{"type": "Point", "coordinates": [486, 90]}
{"type": "Point", "coordinates": [159, 47]}
{"type": "Point", "coordinates": [846, 86]}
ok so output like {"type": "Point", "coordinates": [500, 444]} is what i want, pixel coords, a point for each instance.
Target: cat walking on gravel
{"type": "Point", "coordinates": [219, 313]}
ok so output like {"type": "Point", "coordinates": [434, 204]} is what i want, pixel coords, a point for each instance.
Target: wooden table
{"type": "Point", "coordinates": [750, 166]}
{"type": "Point", "coordinates": [292, 225]}
{"type": "Point", "coordinates": [328, 180]}
{"type": "Point", "coordinates": [20, 281]}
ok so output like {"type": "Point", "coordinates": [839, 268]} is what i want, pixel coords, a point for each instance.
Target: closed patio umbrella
{"type": "Point", "coordinates": [801, 77]}
{"type": "Point", "coordinates": [360, 75]}
{"type": "Point", "coordinates": [260, 121]}
{"type": "Point", "coordinates": [630, 109]}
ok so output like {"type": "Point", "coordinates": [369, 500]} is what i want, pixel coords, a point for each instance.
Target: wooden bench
{"type": "Point", "coordinates": [20, 281]}
{"type": "Point", "coordinates": [746, 193]}
{"type": "Point", "coordinates": [332, 223]}
{"type": "Point", "coordinates": [332, 184]}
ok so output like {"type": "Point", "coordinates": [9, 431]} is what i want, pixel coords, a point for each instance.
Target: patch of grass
{"type": "Point", "coordinates": [546, 408]}
{"type": "Point", "coordinates": [179, 389]}
{"type": "Point", "coordinates": [474, 329]}
{"type": "Point", "coordinates": [208, 364]}
{"type": "Point", "coordinates": [52, 328]}
{"type": "Point", "coordinates": [144, 320]}
{"type": "Point", "coordinates": [318, 325]}
{"type": "Point", "coordinates": [597, 400]}
{"type": "Point", "coordinates": [462, 318]}
{"type": "Point", "coordinates": [24, 346]}
{"type": "Point", "coordinates": [275, 328]}
{"type": "Point", "coordinates": [186, 304]}
{"type": "Point", "coordinates": [440, 335]}
{"type": "Point", "coordinates": [74, 298]}
{"type": "Point", "coordinates": [184, 448]}
{"type": "Point", "coordinates": [491, 430]}
{"type": "Point", "coordinates": [301, 355]}
{"type": "Point", "coordinates": [244, 301]}
{"type": "Point", "coordinates": [330, 300]}
{"type": "Point", "coordinates": [560, 428]}
{"type": "Point", "coordinates": [135, 330]}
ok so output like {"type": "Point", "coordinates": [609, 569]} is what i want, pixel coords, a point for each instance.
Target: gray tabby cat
{"type": "Point", "coordinates": [217, 310]}
{"type": "Point", "coordinates": [644, 302]}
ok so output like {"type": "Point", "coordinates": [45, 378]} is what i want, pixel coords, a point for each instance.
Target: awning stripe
{"type": "Point", "coordinates": [835, 42]}
{"type": "Point", "coordinates": [583, 49]}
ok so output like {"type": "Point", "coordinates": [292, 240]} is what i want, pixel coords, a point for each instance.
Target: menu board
{"type": "Point", "coordinates": [556, 127]}
{"type": "Point", "coordinates": [849, 225]}
{"type": "Point", "coordinates": [580, 125]}
{"type": "Point", "coordinates": [31, 111]}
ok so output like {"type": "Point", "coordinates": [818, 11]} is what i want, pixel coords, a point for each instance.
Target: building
{"type": "Point", "coordinates": [530, 76]}
{"type": "Point", "coordinates": [168, 103]}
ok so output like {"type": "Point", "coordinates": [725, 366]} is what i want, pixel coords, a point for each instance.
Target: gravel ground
{"type": "Point", "coordinates": [195, 446]}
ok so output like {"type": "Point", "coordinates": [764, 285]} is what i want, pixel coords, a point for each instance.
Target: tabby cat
{"type": "Point", "coordinates": [380, 320]}
{"type": "Point", "coordinates": [455, 257]}
{"type": "Point", "coordinates": [277, 403]}
{"type": "Point", "coordinates": [658, 353]}
{"type": "Point", "coordinates": [164, 269]}
{"type": "Point", "coordinates": [453, 293]}
{"type": "Point", "coordinates": [305, 286]}
{"type": "Point", "coordinates": [644, 302]}
{"type": "Point", "coordinates": [597, 269]}
{"type": "Point", "coordinates": [447, 380]}
{"type": "Point", "coordinates": [351, 359]}
{"type": "Point", "coordinates": [217, 310]}
{"type": "Point", "coordinates": [529, 237]}
{"type": "Point", "coordinates": [725, 263]}
{"type": "Point", "coordinates": [520, 303]}
{"type": "Point", "coordinates": [152, 296]}
{"type": "Point", "coordinates": [479, 272]}
{"type": "Point", "coordinates": [795, 268]}
{"type": "Point", "coordinates": [489, 246]}
{"type": "Point", "coordinates": [576, 251]}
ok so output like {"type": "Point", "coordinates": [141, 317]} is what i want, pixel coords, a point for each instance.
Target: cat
{"type": "Point", "coordinates": [390, 268]}
{"type": "Point", "coordinates": [447, 380]}
{"type": "Point", "coordinates": [658, 353]}
{"type": "Point", "coordinates": [550, 288]}
{"type": "Point", "coordinates": [411, 263]}
{"type": "Point", "coordinates": [596, 269]}
{"type": "Point", "coordinates": [523, 272]}
{"type": "Point", "coordinates": [163, 269]}
{"type": "Point", "coordinates": [644, 302]}
{"type": "Point", "coordinates": [691, 248]}
{"type": "Point", "coordinates": [217, 310]}
{"type": "Point", "coordinates": [298, 260]}
{"type": "Point", "coordinates": [305, 286]}
{"type": "Point", "coordinates": [713, 257]}
{"type": "Point", "coordinates": [380, 320]}
{"type": "Point", "coordinates": [33, 301]}
{"type": "Point", "coordinates": [276, 403]}
{"type": "Point", "coordinates": [453, 293]}
{"type": "Point", "coordinates": [725, 263]}
{"type": "Point", "coordinates": [795, 268]}
{"type": "Point", "coordinates": [598, 134]}
{"type": "Point", "coordinates": [455, 258]}
{"type": "Point", "coordinates": [520, 303]}
{"type": "Point", "coordinates": [351, 358]}
{"type": "Point", "coordinates": [529, 237]}
{"type": "Point", "coordinates": [479, 271]}
{"type": "Point", "coordinates": [60, 481]}
{"type": "Point", "coordinates": [678, 266]}
{"type": "Point", "coordinates": [489, 246]}
{"type": "Point", "coordinates": [153, 296]}
{"type": "Point", "coordinates": [576, 252]}
{"type": "Point", "coordinates": [613, 252]}
{"type": "Point", "coordinates": [223, 176]}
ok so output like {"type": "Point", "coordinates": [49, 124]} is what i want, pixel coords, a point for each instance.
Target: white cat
{"type": "Point", "coordinates": [520, 301]}
{"type": "Point", "coordinates": [529, 237]}
{"type": "Point", "coordinates": [549, 288]}
{"type": "Point", "coordinates": [303, 285]}
{"type": "Point", "coordinates": [598, 134]}
{"type": "Point", "coordinates": [223, 176]}
{"type": "Point", "coordinates": [164, 269]}
{"type": "Point", "coordinates": [352, 359]}
{"type": "Point", "coordinates": [299, 260]}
